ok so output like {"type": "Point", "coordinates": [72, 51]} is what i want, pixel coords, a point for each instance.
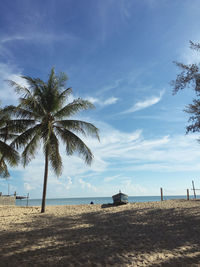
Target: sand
{"type": "Point", "coordinates": [137, 234]}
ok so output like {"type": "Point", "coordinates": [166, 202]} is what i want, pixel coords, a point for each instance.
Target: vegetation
{"type": "Point", "coordinates": [45, 116]}
{"type": "Point", "coordinates": [190, 77]}
{"type": "Point", "coordinates": [8, 155]}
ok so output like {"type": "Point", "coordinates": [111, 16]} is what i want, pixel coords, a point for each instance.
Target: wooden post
{"type": "Point", "coordinates": [27, 200]}
{"type": "Point", "coordinates": [161, 192]}
{"type": "Point", "coordinates": [194, 190]}
{"type": "Point", "coordinates": [188, 196]}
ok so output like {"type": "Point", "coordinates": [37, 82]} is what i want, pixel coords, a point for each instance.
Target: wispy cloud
{"type": "Point", "coordinates": [105, 102]}
{"type": "Point", "coordinates": [115, 157]}
{"type": "Point", "coordinates": [110, 22]}
{"type": "Point", "coordinates": [37, 37]}
{"type": "Point", "coordinates": [111, 178]}
{"type": "Point", "coordinates": [86, 185]}
{"type": "Point", "coordinates": [144, 104]}
{"type": "Point", "coordinates": [110, 86]}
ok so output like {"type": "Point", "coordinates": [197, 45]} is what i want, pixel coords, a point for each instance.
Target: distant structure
{"type": "Point", "coordinates": [7, 200]}
{"type": "Point", "coordinates": [11, 199]}
{"type": "Point", "coordinates": [120, 198]}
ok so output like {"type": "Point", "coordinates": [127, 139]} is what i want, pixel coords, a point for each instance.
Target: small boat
{"type": "Point", "coordinates": [120, 199]}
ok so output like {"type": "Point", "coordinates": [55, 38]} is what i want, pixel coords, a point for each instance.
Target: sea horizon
{"type": "Point", "coordinates": [95, 200]}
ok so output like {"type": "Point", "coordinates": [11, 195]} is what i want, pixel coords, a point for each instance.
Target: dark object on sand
{"type": "Point", "coordinates": [91, 202]}
{"type": "Point", "coordinates": [20, 197]}
{"type": "Point", "coordinates": [120, 199]}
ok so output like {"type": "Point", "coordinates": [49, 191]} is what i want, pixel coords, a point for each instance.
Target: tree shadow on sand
{"type": "Point", "coordinates": [102, 238]}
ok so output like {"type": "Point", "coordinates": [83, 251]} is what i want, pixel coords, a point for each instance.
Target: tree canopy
{"type": "Point", "coordinates": [8, 155]}
{"type": "Point", "coordinates": [45, 112]}
{"type": "Point", "coordinates": [190, 77]}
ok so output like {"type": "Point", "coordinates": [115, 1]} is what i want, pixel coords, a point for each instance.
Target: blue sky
{"type": "Point", "coordinates": [118, 54]}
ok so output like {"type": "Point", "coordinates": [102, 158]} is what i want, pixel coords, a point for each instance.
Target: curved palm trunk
{"type": "Point", "coordinates": [45, 182]}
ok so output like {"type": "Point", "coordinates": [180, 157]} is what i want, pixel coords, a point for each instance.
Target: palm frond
{"type": "Point", "coordinates": [30, 105]}
{"type": "Point", "coordinates": [22, 90]}
{"type": "Point", "coordinates": [7, 136]}
{"type": "Point", "coordinates": [9, 154]}
{"type": "Point", "coordinates": [4, 173]}
{"type": "Point", "coordinates": [51, 80]}
{"type": "Point", "coordinates": [35, 84]}
{"type": "Point", "coordinates": [64, 95]}
{"type": "Point", "coordinates": [54, 155]}
{"type": "Point", "coordinates": [75, 144]}
{"type": "Point", "coordinates": [78, 126]}
{"type": "Point", "coordinates": [19, 111]}
{"type": "Point", "coordinates": [62, 78]}
{"type": "Point", "coordinates": [74, 107]}
{"type": "Point", "coordinates": [30, 150]}
{"type": "Point", "coordinates": [57, 81]}
{"type": "Point", "coordinates": [26, 136]}
{"type": "Point", "coordinates": [19, 125]}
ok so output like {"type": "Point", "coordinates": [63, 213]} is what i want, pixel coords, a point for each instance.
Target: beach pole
{"type": "Point", "coordinates": [161, 193]}
{"type": "Point", "coordinates": [27, 199]}
{"type": "Point", "coordinates": [188, 196]}
{"type": "Point", "coordinates": [194, 190]}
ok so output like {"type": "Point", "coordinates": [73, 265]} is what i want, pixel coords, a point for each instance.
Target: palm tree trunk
{"type": "Point", "coordinates": [45, 182]}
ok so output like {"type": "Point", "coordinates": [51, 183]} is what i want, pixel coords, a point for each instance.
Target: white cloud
{"type": "Point", "coordinates": [117, 156]}
{"type": "Point", "coordinates": [125, 184]}
{"type": "Point", "coordinates": [87, 185]}
{"type": "Point", "coordinates": [144, 104]}
{"type": "Point", "coordinates": [123, 151]}
{"type": "Point", "coordinates": [106, 102]}
{"type": "Point", "coordinates": [7, 93]}
{"type": "Point", "coordinates": [28, 187]}
{"type": "Point", "coordinates": [132, 188]}
{"type": "Point", "coordinates": [69, 180]}
{"type": "Point", "coordinates": [60, 184]}
{"type": "Point", "coordinates": [111, 178]}
{"type": "Point", "coordinates": [111, 100]}
{"type": "Point", "coordinates": [92, 99]}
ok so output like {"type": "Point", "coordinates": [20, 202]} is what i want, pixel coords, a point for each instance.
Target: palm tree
{"type": "Point", "coordinates": [8, 155]}
{"type": "Point", "coordinates": [43, 107]}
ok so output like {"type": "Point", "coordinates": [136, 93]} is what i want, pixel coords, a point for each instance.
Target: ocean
{"type": "Point", "coordinates": [95, 200]}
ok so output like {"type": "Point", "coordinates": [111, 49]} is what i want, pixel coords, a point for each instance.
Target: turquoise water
{"type": "Point", "coordinates": [96, 200]}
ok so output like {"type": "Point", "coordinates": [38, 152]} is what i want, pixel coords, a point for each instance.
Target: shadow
{"type": "Point", "coordinates": [110, 205]}
{"type": "Point", "coordinates": [104, 237]}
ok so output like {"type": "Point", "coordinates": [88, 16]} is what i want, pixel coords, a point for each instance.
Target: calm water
{"type": "Point", "coordinates": [96, 200]}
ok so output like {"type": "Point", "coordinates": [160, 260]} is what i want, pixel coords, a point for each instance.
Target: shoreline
{"type": "Point", "coordinates": [136, 234]}
{"type": "Point", "coordinates": [97, 200]}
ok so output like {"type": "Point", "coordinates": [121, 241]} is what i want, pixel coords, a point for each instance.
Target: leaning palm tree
{"type": "Point", "coordinates": [8, 155]}
{"type": "Point", "coordinates": [44, 108]}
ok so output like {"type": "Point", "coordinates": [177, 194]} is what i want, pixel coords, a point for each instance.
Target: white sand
{"type": "Point", "coordinates": [137, 234]}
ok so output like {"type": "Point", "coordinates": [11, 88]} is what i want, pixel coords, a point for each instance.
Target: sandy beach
{"type": "Point", "coordinates": [137, 234]}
